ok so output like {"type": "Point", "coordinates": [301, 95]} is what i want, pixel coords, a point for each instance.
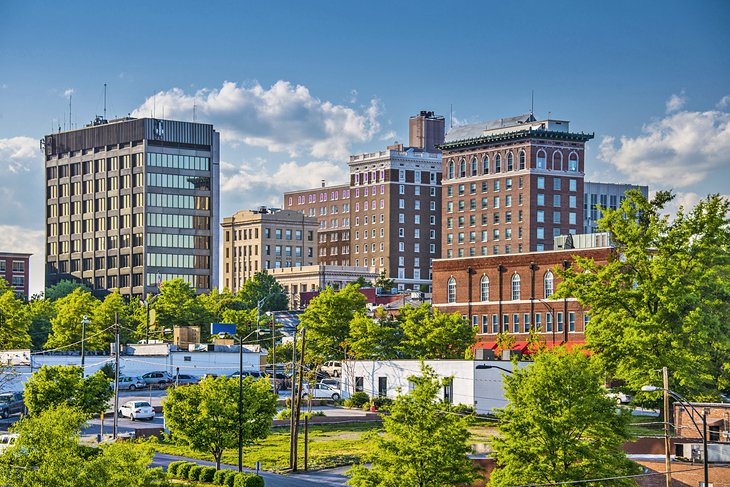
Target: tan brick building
{"type": "Point", "coordinates": [267, 238]}
{"type": "Point", "coordinates": [511, 185]}
{"type": "Point", "coordinates": [312, 278]}
{"type": "Point", "coordinates": [512, 293]}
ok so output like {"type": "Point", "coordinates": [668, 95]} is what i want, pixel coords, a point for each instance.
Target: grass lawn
{"type": "Point", "coordinates": [330, 445]}
{"type": "Point", "coordinates": [646, 426]}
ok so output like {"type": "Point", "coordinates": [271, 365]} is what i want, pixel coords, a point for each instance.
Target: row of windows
{"type": "Point", "coordinates": [98, 165]}
{"type": "Point", "coordinates": [178, 201]}
{"type": "Point", "coordinates": [170, 260]}
{"type": "Point", "coordinates": [495, 166]}
{"type": "Point", "coordinates": [548, 286]}
{"type": "Point", "coordinates": [524, 325]}
{"type": "Point", "coordinates": [472, 252]}
{"type": "Point", "coordinates": [17, 266]}
{"type": "Point", "coordinates": [178, 162]}
{"type": "Point", "coordinates": [170, 221]}
{"type": "Point", "coordinates": [178, 181]}
{"type": "Point", "coordinates": [170, 241]}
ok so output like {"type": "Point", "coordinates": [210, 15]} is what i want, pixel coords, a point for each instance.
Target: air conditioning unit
{"type": "Point", "coordinates": [484, 354]}
{"type": "Point", "coordinates": [690, 451]}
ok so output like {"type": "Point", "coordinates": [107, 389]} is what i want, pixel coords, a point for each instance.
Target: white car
{"type": "Point", "coordinates": [137, 410]}
{"type": "Point", "coordinates": [321, 391]}
{"type": "Point", "coordinates": [332, 368]}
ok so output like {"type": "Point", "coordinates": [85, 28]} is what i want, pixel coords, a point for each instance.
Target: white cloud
{"type": "Point", "coordinates": [675, 102]}
{"type": "Point", "coordinates": [389, 136]}
{"type": "Point", "coordinates": [679, 150]}
{"type": "Point", "coordinates": [18, 154]}
{"type": "Point", "coordinates": [724, 102]}
{"type": "Point", "coordinates": [282, 118]}
{"type": "Point", "coordinates": [288, 176]}
{"type": "Point", "coordinates": [14, 238]}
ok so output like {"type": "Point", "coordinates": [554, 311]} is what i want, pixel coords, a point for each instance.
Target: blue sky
{"type": "Point", "coordinates": [296, 86]}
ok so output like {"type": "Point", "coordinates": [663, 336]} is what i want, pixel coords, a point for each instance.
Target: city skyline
{"type": "Point", "coordinates": [294, 91]}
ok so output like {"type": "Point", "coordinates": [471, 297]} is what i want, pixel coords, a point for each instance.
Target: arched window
{"type": "Point", "coordinates": [451, 169]}
{"type": "Point", "coordinates": [510, 162]}
{"type": "Point", "coordinates": [451, 290]}
{"type": "Point", "coordinates": [497, 163]}
{"type": "Point", "coordinates": [484, 284]}
{"type": "Point", "coordinates": [573, 162]}
{"type": "Point", "coordinates": [548, 284]}
{"type": "Point", "coordinates": [485, 165]}
{"type": "Point", "coordinates": [557, 161]}
{"type": "Point", "coordinates": [515, 287]}
{"type": "Point", "coordinates": [462, 168]}
{"type": "Point", "coordinates": [541, 159]}
{"type": "Point", "coordinates": [473, 166]}
{"type": "Point", "coordinates": [522, 160]}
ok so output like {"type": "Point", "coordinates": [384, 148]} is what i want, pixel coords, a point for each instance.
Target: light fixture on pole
{"type": "Point", "coordinates": [84, 321]}
{"type": "Point", "coordinates": [485, 366]}
{"type": "Point", "coordinates": [703, 432]}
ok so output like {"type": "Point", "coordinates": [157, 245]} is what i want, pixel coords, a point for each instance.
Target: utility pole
{"type": "Point", "coordinates": [116, 373]}
{"type": "Point", "coordinates": [299, 404]}
{"type": "Point", "coordinates": [293, 388]}
{"type": "Point", "coordinates": [84, 322]}
{"type": "Point", "coordinates": [667, 444]}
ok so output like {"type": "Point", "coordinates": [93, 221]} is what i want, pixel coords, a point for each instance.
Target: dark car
{"type": "Point", "coordinates": [158, 378]}
{"type": "Point", "coordinates": [185, 379]}
{"type": "Point", "coordinates": [11, 403]}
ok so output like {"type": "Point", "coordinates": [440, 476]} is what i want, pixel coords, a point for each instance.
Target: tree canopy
{"type": "Point", "coordinates": [424, 444]}
{"type": "Point", "coordinates": [663, 299]}
{"type": "Point", "coordinates": [431, 334]}
{"type": "Point", "coordinates": [15, 319]}
{"type": "Point", "coordinates": [205, 415]}
{"type": "Point", "coordinates": [66, 325]}
{"type": "Point", "coordinates": [55, 385]}
{"type": "Point", "coordinates": [263, 286]}
{"type": "Point", "coordinates": [559, 425]}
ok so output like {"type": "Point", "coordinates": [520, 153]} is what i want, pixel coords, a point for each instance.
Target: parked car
{"type": "Point", "coordinates": [620, 397]}
{"type": "Point", "coordinates": [332, 368]}
{"type": "Point", "coordinates": [334, 383]}
{"type": "Point", "coordinates": [158, 378]}
{"type": "Point", "coordinates": [185, 379]}
{"type": "Point", "coordinates": [205, 376]}
{"type": "Point", "coordinates": [137, 410]}
{"type": "Point", "coordinates": [130, 383]}
{"type": "Point", "coordinates": [11, 403]}
{"type": "Point", "coordinates": [321, 391]}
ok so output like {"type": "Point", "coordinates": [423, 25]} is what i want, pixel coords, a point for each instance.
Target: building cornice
{"type": "Point", "coordinates": [518, 135]}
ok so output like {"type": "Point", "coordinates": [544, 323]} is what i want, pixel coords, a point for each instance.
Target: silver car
{"type": "Point", "coordinates": [130, 383]}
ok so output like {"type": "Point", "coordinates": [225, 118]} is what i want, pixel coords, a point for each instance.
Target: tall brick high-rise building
{"type": "Point", "coordinates": [387, 217]}
{"type": "Point", "coordinates": [510, 185]}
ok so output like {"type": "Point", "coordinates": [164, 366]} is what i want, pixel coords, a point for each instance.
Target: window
{"type": "Point", "coordinates": [541, 159]}
{"type": "Point", "coordinates": [548, 284]}
{"type": "Point", "coordinates": [540, 233]}
{"type": "Point", "coordinates": [541, 182]}
{"type": "Point", "coordinates": [540, 199]}
{"type": "Point", "coordinates": [538, 321]}
{"type": "Point", "coordinates": [516, 323]}
{"type": "Point", "coordinates": [556, 200]}
{"type": "Point", "coordinates": [515, 287]}
{"type": "Point", "coordinates": [485, 165]}
{"type": "Point", "coordinates": [484, 285]}
{"type": "Point", "coordinates": [495, 324]}
{"type": "Point", "coordinates": [571, 321]}
{"type": "Point", "coordinates": [548, 322]}
{"type": "Point", "coordinates": [451, 170]}
{"type": "Point", "coordinates": [556, 217]}
{"type": "Point", "coordinates": [473, 166]}
{"type": "Point", "coordinates": [497, 163]}
{"type": "Point", "coordinates": [560, 321]}
{"type": "Point", "coordinates": [522, 160]}
{"type": "Point", "coordinates": [572, 201]}
{"type": "Point", "coordinates": [451, 290]}
{"type": "Point", "coordinates": [573, 162]}
{"type": "Point", "coordinates": [526, 322]}
{"type": "Point", "coordinates": [540, 218]}
{"type": "Point", "coordinates": [510, 162]}
{"type": "Point", "coordinates": [573, 185]}
{"type": "Point", "coordinates": [462, 168]}
{"type": "Point", "coordinates": [556, 184]}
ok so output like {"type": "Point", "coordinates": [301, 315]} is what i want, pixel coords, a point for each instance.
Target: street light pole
{"type": "Point", "coordinates": [240, 404]}
{"type": "Point", "coordinates": [84, 322]}
{"type": "Point", "coordinates": [703, 432]}
{"type": "Point", "coordinates": [485, 366]}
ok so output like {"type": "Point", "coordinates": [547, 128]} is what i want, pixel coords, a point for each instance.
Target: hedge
{"type": "Point", "coordinates": [194, 472]}
{"type": "Point", "coordinates": [182, 470]}
{"type": "Point", "coordinates": [219, 477]}
{"type": "Point", "coordinates": [248, 480]}
{"type": "Point", "coordinates": [174, 466]}
{"type": "Point", "coordinates": [207, 474]}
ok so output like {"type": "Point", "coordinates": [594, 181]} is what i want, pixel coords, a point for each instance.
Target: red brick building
{"type": "Point", "coordinates": [510, 186]}
{"type": "Point", "coordinates": [512, 293]}
{"type": "Point", "coordinates": [14, 268]}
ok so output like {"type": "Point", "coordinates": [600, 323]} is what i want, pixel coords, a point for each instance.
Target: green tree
{"type": "Point", "coordinates": [559, 425]}
{"type": "Point", "coordinates": [432, 334]}
{"type": "Point", "coordinates": [205, 415]}
{"type": "Point", "coordinates": [14, 320]}
{"type": "Point", "coordinates": [64, 288]}
{"type": "Point", "coordinates": [328, 318]}
{"type": "Point", "coordinates": [48, 453]}
{"type": "Point", "coordinates": [263, 286]}
{"type": "Point", "coordinates": [374, 338]}
{"type": "Point", "coordinates": [177, 305]}
{"type": "Point", "coordinates": [41, 312]}
{"type": "Point", "coordinates": [104, 316]}
{"type": "Point", "coordinates": [66, 325]}
{"type": "Point", "coordinates": [423, 444]}
{"type": "Point", "coordinates": [362, 282]}
{"type": "Point", "coordinates": [384, 282]}
{"type": "Point", "coordinates": [218, 303]}
{"type": "Point", "coordinates": [663, 298]}
{"type": "Point", "coordinates": [54, 385]}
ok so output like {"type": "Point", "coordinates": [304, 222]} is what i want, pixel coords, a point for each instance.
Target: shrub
{"type": "Point", "coordinates": [382, 402]}
{"type": "Point", "coordinates": [463, 409]}
{"type": "Point", "coordinates": [194, 472]}
{"type": "Point", "coordinates": [358, 399]}
{"type": "Point", "coordinates": [284, 414]}
{"type": "Point", "coordinates": [219, 477]}
{"type": "Point", "coordinates": [248, 480]}
{"type": "Point", "coordinates": [230, 478]}
{"type": "Point", "coordinates": [288, 403]}
{"type": "Point", "coordinates": [182, 470]}
{"type": "Point", "coordinates": [173, 467]}
{"type": "Point", "coordinates": [207, 474]}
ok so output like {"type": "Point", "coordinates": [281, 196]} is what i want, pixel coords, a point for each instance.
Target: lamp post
{"type": "Point", "coordinates": [703, 433]}
{"type": "Point", "coordinates": [259, 303]}
{"type": "Point", "coordinates": [240, 395]}
{"type": "Point", "coordinates": [84, 322]}
{"type": "Point", "coordinates": [485, 366]}
{"type": "Point", "coordinates": [146, 303]}
{"type": "Point", "coordinates": [552, 313]}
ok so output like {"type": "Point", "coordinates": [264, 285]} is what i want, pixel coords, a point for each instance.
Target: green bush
{"type": "Point", "coordinates": [288, 403]}
{"type": "Point", "coordinates": [182, 470]}
{"type": "Point", "coordinates": [194, 472]}
{"type": "Point", "coordinates": [172, 469]}
{"type": "Point", "coordinates": [219, 477]}
{"type": "Point", "coordinates": [284, 414]}
{"type": "Point", "coordinates": [358, 400]}
{"type": "Point", "coordinates": [248, 480]}
{"type": "Point", "coordinates": [382, 402]}
{"type": "Point", "coordinates": [230, 478]}
{"type": "Point", "coordinates": [463, 409]}
{"type": "Point", "coordinates": [207, 474]}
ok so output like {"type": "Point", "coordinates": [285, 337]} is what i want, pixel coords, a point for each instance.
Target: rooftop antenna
{"type": "Point", "coordinates": [532, 103]}
{"type": "Point", "coordinates": [451, 116]}
{"type": "Point", "coordinates": [70, 98]}
{"type": "Point", "coordinates": [104, 101]}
